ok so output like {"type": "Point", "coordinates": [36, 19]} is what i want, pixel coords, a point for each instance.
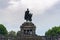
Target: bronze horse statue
{"type": "Point", "coordinates": [28, 16]}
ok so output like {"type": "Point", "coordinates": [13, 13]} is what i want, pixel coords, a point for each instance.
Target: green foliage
{"type": "Point", "coordinates": [12, 34]}
{"type": "Point", "coordinates": [53, 32]}
{"type": "Point", "coordinates": [3, 30]}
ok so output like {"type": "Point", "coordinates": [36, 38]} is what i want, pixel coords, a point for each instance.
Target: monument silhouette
{"type": "Point", "coordinates": [27, 29]}
{"type": "Point", "coordinates": [28, 15]}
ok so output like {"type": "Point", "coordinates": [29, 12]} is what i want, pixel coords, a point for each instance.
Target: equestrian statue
{"type": "Point", "coordinates": [28, 15]}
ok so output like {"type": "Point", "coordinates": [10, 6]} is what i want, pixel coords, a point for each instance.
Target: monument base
{"type": "Point", "coordinates": [27, 32]}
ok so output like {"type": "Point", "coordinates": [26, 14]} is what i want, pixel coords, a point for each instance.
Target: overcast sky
{"type": "Point", "coordinates": [46, 14]}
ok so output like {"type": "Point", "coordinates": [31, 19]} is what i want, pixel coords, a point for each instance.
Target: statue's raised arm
{"type": "Point", "coordinates": [28, 16]}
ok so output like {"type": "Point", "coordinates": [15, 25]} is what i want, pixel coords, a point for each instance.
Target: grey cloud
{"type": "Point", "coordinates": [16, 0]}
{"type": "Point", "coordinates": [4, 4]}
{"type": "Point", "coordinates": [54, 10]}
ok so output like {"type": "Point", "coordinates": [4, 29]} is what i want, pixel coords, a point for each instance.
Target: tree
{"type": "Point", "coordinates": [19, 33]}
{"type": "Point", "coordinates": [3, 30]}
{"type": "Point", "coordinates": [53, 32]}
{"type": "Point", "coordinates": [12, 34]}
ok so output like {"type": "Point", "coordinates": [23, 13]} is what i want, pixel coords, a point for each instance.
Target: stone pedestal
{"type": "Point", "coordinates": [27, 32]}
